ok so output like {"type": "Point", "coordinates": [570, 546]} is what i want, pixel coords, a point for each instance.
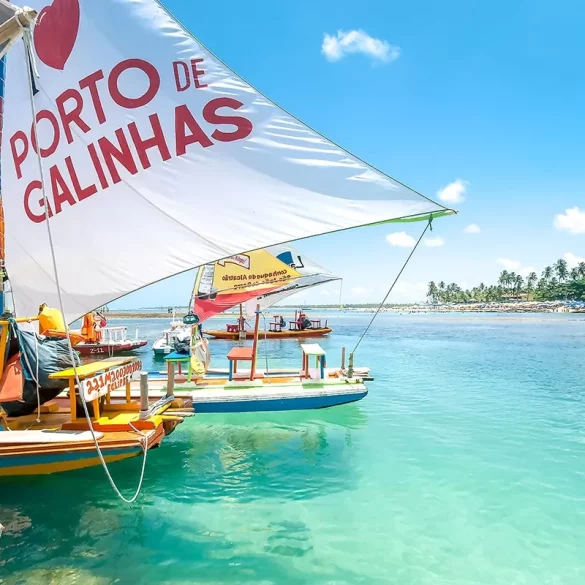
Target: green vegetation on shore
{"type": "Point", "coordinates": [556, 282]}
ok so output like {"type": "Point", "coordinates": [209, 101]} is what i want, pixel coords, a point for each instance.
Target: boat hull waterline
{"type": "Point", "coordinates": [217, 395]}
{"type": "Point", "coordinates": [219, 334]}
{"type": "Point", "coordinates": [108, 349]}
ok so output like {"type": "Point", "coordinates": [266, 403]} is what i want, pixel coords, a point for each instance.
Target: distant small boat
{"type": "Point", "coordinates": [298, 328]}
{"type": "Point", "coordinates": [165, 344]}
{"type": "Point", "coordinates": [285, 334]}
{"type": "Point", "coordinates": [113, 342]}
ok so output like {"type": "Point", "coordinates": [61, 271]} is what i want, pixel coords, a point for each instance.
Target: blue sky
{"type": "Point", "coordinates": [490, 94]}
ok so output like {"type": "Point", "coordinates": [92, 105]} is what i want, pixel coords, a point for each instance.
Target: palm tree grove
{"type": "Point", "coordinates": [557, 282]}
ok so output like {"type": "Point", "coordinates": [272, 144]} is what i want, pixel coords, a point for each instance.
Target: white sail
{"type": "Point", "coordinates": [312, 274]}
{"type": "Point", "coordinates": [158, 158]}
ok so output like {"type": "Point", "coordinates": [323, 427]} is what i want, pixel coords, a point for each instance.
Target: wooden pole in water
{"type": "Point", "coordinates": [255, 346]}
{"type": "Point", "coordinates": [170, 378]}
{"type": "Point", "coordinates": [143, 394]}
{"type": "Point", "coordinates": [343, 358]}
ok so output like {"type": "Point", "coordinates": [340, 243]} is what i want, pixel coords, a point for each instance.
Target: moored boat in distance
{"type": "Point", "coordinates": [114, 341]}
{"type": "Point", "coordinates": [167, 340]}
{"type": "Point", "coordinates": [311, 386]}
{"type": "Point", "coordinates": [255, 390]}
{"type": "Point", "coordinates": [298, 328]}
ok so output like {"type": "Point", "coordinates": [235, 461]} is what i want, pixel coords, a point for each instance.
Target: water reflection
{"type": "Point", "coordinates": [70, 528]}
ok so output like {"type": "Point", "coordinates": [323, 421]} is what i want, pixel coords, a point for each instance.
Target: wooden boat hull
{"type": "Point", "coordinates": [42, 459]}
{"type": "Point", "coordinates": [108, 349]}
{"type": "Point", "coordinates": [219, 334]}
{"type": "Point", "coordinates": [262, 401]}
{"type": "Point", "coordinates": [280, 394]}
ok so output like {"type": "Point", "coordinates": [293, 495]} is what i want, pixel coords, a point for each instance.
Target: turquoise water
{"type": "Point", "coordinates": [465, 465]}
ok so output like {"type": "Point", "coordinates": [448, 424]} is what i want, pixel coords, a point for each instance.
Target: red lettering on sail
{"type": "Point", "coordinates": [73, 116]}
{"type": "Point", "coordinates": [197, 73]}
{"type": "Point", "coordinates": [156, 141]}
{"type": "Point", "coordinates": [19, 157]}
{"type": "Point", "coordinates": [243, 125]}
{"type": "Point", "coordinates": [122, 154]}
{"type": "Point", "coordinates": [177, 67]}
{"type": "Point", "coordinates": [52, 119]}
{"type": "Point", "coordinates": [188, 131]}
{"type": "Point", "coordinates": [147, 96]}
{"type": "Point", "coordinates": [37, 218]}
{"type": "Point", "coordinates": [80, 192]}
{"type": "Point", "coordinates": [90, 82]}
{"type": "Point", "coordinates": [61, 192]}
{"type": "Point", "coordinates": [81, 109]}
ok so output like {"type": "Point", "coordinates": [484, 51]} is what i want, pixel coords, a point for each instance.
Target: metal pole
{"type": "Point", "coordinates": [255, 345]}
{"type": "Point", "coordinates": [241, 326]}
{"type": "Point", "coordinates": [143, 393]}
{"type": "Point", "coordinates": [343, 358]}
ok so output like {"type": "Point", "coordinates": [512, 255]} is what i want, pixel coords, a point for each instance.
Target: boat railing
{"type": "Point", "coordinates": [115, 334]}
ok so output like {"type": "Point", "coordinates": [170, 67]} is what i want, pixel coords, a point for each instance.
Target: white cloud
{"type": "Point", "coordinates": [400, 239]}
{"type": "Point", "coordinates": [526, 270]}
{"type": "Point", "coordinates": [336, 47]}
{"type": "Point", "coordinates": [515, 266]}
{"type": "Point", "coordinates": [408, 292]}
{"type": "Point", "coordinates": [454, 192]}
{"type": "Point", "coordinates": [573, 220]}
{"type": "Point", "coordinates": [434, 242]}
{"type": "Point", "coordinates": [572, 260]}
{"type": "Point", "coordinates": [472, 228]}
{"type": "Point", "coordinates": [358, 291]}
{"type": "Point", "coordinates": [509, 264]}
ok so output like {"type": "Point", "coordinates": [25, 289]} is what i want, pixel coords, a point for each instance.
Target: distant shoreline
{"type": "Point", "coordinates": [517, 307]}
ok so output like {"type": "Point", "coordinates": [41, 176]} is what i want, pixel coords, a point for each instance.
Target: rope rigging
{"type": "Point", "coordinates": [27, 36]}
{"type": "Point", "coordinates": [427, 227]}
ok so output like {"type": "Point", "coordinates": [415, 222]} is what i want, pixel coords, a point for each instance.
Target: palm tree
{"type": "Point", "coordinates": [531, 281]}
{"type": "Point", "coordinates": [581, 269]}
{"type": "Point", "coordinates": [518, 284]}
{"type": "Point", "coordinates": [547, 273]}
{"type": "Point", "coordinates": [432, 292]}
{"type": "Point", "coordinates": [574, 274]}
{"type": "Point", "coordinates": [503, 280]}
{"type": "Point", "coordinates": [561, 269]}
{"type": "Point", "coordinates": [512, 280]}
{"type": "Point", "coordinates": [441, 291]}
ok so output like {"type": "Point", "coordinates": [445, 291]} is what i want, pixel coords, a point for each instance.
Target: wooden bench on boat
{"type": "Point", "coordinates": [99, 379]}
{"type": "Point", "coordinates": [313, 350]}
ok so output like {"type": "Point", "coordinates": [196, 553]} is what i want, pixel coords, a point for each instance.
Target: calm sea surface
{"type": "Point", "coordinates": [465, 465]}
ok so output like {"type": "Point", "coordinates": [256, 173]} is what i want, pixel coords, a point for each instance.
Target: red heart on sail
{"type": "Point", "coordinates": [56, 32]}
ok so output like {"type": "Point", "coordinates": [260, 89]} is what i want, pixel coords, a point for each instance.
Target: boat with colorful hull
{"type": "Point", "coordinates": [114, 341]}
{"type": "Point", "coordinates": [215, 395]}
{"type": "Point", "coordinates": [285, 334]}
{"type": "Point", "coordinates": [299, 327]}
{"type": "Point", "coordinates": [51, 436]}
{"type": "Point", "coordinates": [257, 390]}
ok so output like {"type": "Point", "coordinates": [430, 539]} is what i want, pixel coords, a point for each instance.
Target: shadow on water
{"type": "Point", "coordinates": [70, 528]}
{"type": "Point", "coordinates": [144, 545]}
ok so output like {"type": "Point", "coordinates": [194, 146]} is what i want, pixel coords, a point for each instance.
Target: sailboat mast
{"type": "Point", "coordinates": [241, 325]}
